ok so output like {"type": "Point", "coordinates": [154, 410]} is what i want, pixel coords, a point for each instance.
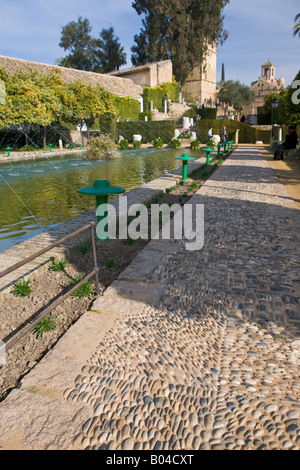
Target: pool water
{"type": "Point", "coordinates": [37, 195]}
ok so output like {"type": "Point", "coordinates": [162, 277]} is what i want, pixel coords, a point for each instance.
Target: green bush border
{"type": "Point", "coordinates": [247, 135]}
{"type": "Point", "coordinates": [148, 130]}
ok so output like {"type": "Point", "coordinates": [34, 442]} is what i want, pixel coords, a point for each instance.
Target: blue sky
{"type": "Point", "coordinates": [258, 30]}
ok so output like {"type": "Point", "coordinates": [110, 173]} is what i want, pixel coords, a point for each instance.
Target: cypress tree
{"type": "Point", "coordinates": [180, 30]}
{"type": "Point", "coordinates": [223, 74]}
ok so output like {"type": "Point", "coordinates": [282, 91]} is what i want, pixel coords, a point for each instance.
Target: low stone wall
{"type": "Point", "coordinates": [19, 156]}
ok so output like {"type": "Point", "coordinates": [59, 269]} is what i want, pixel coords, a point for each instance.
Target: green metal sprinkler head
{"type": "Point", "coordinates": [101, 190]}
{"type": "Point", "coordinates": [8, 150]}
{"type": "Point", "coordinates": [208, 151]}
{"type": "Point", "coordinates": [185, 158]}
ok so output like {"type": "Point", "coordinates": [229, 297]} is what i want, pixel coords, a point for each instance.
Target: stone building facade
{"type": "Point", "coordinates": [265, 84]}
{"type": "Point", "coordinates": [201, 84]}
{"type": "Point", "coordinates": [148, 75]}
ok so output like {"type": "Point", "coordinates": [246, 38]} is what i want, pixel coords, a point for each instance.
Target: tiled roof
{"type": "Point", "coordinates": [118, 86]}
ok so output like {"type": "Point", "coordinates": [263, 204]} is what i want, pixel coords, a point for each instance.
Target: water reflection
{"type": "Point", "coordinates": [38, 195]}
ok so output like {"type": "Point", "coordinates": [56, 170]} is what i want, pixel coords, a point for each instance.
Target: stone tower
{"type": "Point", "coordinates": [201, 84]}
{"type": "Point", "coordinates": [268, 71]}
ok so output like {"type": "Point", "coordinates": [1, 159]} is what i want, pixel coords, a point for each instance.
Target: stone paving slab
{"type": "Point", "coordinates": [198, 351]}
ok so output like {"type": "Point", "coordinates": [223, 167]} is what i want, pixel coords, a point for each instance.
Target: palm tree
{"type": "Point", "coordinates": [297, 25]}
{"type": "Point", "coordinates": [63, 61]}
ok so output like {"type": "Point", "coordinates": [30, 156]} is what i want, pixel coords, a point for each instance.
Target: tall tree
{"type": "Point", "coordinates": [180, 30]}
{"type": "Point", "coordinates": [76, 39]}
{"type": "Point", "coordinates": [236, 94]}
{"type": "Point", "coordinates": [107, 54]}
{"type": "Point", "coordinates": [31, 101]}
{"type": "Point", "coordinates": [223, 73]}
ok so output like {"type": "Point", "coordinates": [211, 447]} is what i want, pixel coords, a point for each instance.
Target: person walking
{"type": "Point", "coordinates": [223, 135]}
{"type": "Point", "coordinates": [210, 133]}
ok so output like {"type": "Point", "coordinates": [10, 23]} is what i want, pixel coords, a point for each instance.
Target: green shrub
{"type": "Point", "coordinates": [45, 325]}
{"type": "Point", "coordinates": [195, 145]}
{"type": "Point", "coordinates": [110, 263]}
{"type": "Point", "coordinates": [102, 148]}
{"type": "Point", "coordinates": [175, 144]}
{"type": "Point", "coordinates": [158, 143]}
{"type": "Point", "coordinates": [130, 241]}
{"type": "Point", "coordinates": [72, 145]}
{"type": "Point", "coordinates": [169, 190]}
{"type": "Point", "coordinates": [136, 144]}
{"type": "Point", "coordinates": [193, 187]}
{"type": "Point", "coordinates": [22, 288]}
{"type": "Point", "coordinates": [59, 265]}
{"type": "Point", "coordinates": [83, 247]}
{"type": "Point", "coordinates": [85, 290]}
{"type": "Point", "coordinates": [28, 148]}
{"type": "Point", "coordinates": [123, 144]}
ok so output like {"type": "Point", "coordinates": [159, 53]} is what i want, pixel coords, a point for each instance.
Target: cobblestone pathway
{"type": "Point", "coordinates": [205, 350]}
{"type": "Point", "coordinates": [213, 363]}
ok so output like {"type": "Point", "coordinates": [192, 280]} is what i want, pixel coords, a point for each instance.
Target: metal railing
{"type": "Point", "coordinates": [46, 311]}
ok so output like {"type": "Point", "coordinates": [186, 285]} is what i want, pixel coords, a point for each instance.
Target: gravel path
{"type": "Point", "coordinates": [204, 350]}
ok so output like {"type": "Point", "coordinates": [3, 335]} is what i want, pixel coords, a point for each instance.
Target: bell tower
{"type": "Point", "coordinates": [268, 72]}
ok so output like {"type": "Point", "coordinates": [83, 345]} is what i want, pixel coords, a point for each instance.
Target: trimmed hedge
{"type": "Point", "coordinates": [109, 126]}
{"type": "Point", "coordinates": [171, 90]}
{"type": "Point", "coordinates": [247, 134]}
{"type": "Point", "coordinates": [148, 130]}
{"type": "Point", "coordinates": [207, 113]}
{"type": "Point", "coordinates": [148, 114]}
{"type": "Point", "coordinates": [264, 117]}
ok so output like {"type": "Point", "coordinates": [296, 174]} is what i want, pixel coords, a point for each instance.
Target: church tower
{"type": "Point", "coordinates": [268, 72]}
{"type": "Point", "coordinates": [265, 84]}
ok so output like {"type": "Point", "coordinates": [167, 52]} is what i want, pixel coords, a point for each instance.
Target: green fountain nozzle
{"type": "Point", "coordinates": [219, 147]}
{"type": "Point", "coordinates": [185, 158]}
{"type": "Point", "coordinates": [51, 146]}
{"type": "Point", "coordinates": [208, 151]}
{"type": "Point", "coordinates": [101, 190]}
{"type": "Point", "coordinates": [8, 151]}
